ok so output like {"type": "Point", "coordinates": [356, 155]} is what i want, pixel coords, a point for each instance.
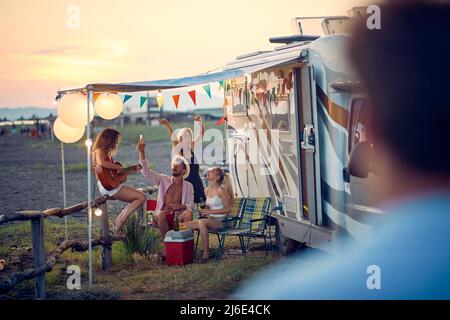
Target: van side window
{"type": "Point", "coordinates": [359, 124]}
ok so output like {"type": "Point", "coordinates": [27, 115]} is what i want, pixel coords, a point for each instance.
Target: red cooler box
{"type": "Point", "coordinates": [179, 246]}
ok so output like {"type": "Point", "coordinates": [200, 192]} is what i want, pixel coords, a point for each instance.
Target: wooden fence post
{"type": "Point", "coordinates": [107, 252]}
{"type": "Point", "coordinates": [37, 235]}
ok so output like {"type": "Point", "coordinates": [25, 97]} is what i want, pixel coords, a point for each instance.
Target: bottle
{"type": "Point", "coordinates": [176, 225]}
{"type": "Point", "coordinates": [198, 210]}
{"type": "Point", "coordinates": [201, 205]}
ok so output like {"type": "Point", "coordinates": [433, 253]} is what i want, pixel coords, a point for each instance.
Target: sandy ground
{"type": "Point", "coordinates": [31, 178]}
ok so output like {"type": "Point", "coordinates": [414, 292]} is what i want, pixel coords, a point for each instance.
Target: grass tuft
{"type": "Point", "coordinates": [139, 239]}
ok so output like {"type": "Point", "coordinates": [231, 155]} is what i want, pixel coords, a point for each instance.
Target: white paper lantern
{"type": "Point", "coordinates": [72, 109]}
{"type": "Point", "coordinates": [65, 133]}
{"type": "Point", "coordinates": [108, 106]}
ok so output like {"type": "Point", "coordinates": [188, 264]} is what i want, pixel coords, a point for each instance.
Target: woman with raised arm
{"type": "Point", "coordinates": [219, 198]}
{"type": "Point", "coordinates": [105, 146]}
{"type": "Point", "coordinates": [184, 144]}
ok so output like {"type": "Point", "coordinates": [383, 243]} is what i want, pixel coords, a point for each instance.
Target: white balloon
{"type": "Point", "coordinates": [72, 109]}
{"type": "Point", "coordinates": [65, 133]}
{"type": "Point", "coordinates": [108, 106]}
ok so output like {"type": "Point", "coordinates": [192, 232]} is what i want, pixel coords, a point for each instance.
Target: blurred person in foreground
{"type": "Point", "coordinates": [405, 69]}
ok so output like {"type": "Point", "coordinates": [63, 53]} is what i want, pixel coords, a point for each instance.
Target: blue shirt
{"type": "Point", "coordinates": [407, 258]}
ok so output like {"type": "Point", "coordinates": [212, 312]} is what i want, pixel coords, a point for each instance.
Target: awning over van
{"type": "Point", "coordinates": [229, 72]}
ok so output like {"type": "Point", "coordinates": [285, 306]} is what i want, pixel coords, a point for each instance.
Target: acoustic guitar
{"type": "Point", "coordinates": [110, 179]}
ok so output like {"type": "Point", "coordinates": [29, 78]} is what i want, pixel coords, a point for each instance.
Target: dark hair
{"type": "Point", "coordinates": [405, 68]}
{"type": "Point", "coordinates": [107, 141]}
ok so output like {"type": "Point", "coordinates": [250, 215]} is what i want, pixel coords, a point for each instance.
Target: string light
{"type": "Point", "coordinates": [98, 212]}
{"type": "Point", "coordinates": [88, 143]}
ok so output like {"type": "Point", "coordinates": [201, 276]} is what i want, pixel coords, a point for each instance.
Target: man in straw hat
{"type": "Point", "coordinates": [175, 195]}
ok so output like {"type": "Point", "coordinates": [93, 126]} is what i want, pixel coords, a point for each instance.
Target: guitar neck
{"type": "Point", "coordinates": [128, 169]}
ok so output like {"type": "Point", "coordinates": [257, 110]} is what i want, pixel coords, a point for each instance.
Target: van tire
{"type": "Point", "coordinates": [286, 246]}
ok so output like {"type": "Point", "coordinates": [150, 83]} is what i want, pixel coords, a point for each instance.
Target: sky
{"type": "Point", "coordinates": [52, 44]}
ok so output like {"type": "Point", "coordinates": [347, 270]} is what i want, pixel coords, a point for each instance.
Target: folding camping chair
{"type": "Point", "coordinates": [252, 224]}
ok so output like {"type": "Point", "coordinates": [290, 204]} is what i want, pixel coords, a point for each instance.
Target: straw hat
{"type": "Point", "coordinates": [178, 159]}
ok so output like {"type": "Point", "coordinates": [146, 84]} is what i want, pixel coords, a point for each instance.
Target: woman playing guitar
{"type": "Point", "coordinates": [105, 146]}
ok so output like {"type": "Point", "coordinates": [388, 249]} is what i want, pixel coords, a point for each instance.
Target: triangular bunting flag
{"type": "Point", "coordinates": [222, 120]}
{"type": "Point", "coordinates": [193, 96]}
{"type": "Point", "coordinates": [159, 99]}
{"type": "Point", "coordinates": [225, 102]}
{"type": "Point", "coordinates": [220, 84]}
{"type": "Point", "coordinates": [176, 99]}
{"type": "Point", "coordinates": [207, 89]}
{"type": "Point", "coordinates": [143, 100]}
{"type": "Point", "coordinates": [126, 97]}
{"type": "Point", "coordinates": [96, 95]}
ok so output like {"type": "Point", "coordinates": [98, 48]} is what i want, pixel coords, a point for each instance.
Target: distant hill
{"type": "Point", "coordinates": [26, 112]}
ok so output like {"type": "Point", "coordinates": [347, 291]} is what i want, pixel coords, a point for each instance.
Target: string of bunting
{"type": "Point", "coordinates": [175, 98]}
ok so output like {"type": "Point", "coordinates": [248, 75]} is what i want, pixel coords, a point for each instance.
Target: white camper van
{"type": "Point", "coordinates": [291, 128]}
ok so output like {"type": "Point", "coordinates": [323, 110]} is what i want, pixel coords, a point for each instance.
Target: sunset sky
{"type": "Point", "coordinates": [116, 41]}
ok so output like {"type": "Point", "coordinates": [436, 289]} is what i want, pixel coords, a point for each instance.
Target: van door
{"type": "Point", "coordinates": [360, 191]}
{"type": "Point", "coordinates": [309, 175]}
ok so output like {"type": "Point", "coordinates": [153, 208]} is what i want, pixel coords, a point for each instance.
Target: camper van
{"type": "Point", "coordinates": [292, 128]}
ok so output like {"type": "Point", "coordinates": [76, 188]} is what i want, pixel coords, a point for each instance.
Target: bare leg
{"type": "Point", "coordinates": [191, 225]}
{"type": "Point", "coordinates": [133, 197]}
{"type": "Point", "coordinates": [203, 226]}
{"type": "Point", "coordinates": [185, 216]}
{"type": "Point", "coordinates": [162, 223]}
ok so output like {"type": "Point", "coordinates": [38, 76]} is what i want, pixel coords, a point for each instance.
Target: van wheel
{"type": "Point", "coordinates": [285, 245]}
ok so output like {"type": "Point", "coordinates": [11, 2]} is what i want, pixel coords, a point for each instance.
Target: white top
{"type": "Point", "coordinates": [214, 203]}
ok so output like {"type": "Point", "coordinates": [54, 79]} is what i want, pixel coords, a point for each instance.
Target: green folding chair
{"type": "Point", "coordinates": [251, 225]}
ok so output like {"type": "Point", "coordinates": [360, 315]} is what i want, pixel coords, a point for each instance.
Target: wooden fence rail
{"type": "Point", "coordinates": [41, 264]}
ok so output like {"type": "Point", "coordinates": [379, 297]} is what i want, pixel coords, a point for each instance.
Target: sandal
{"type": "Point", "coordinates": [203, 260]}
{"type": "Point", "coordinates": [115, 232]}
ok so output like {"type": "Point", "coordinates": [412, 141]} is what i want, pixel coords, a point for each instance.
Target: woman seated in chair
{"type": "Point", "coordinates": [219, 198]}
